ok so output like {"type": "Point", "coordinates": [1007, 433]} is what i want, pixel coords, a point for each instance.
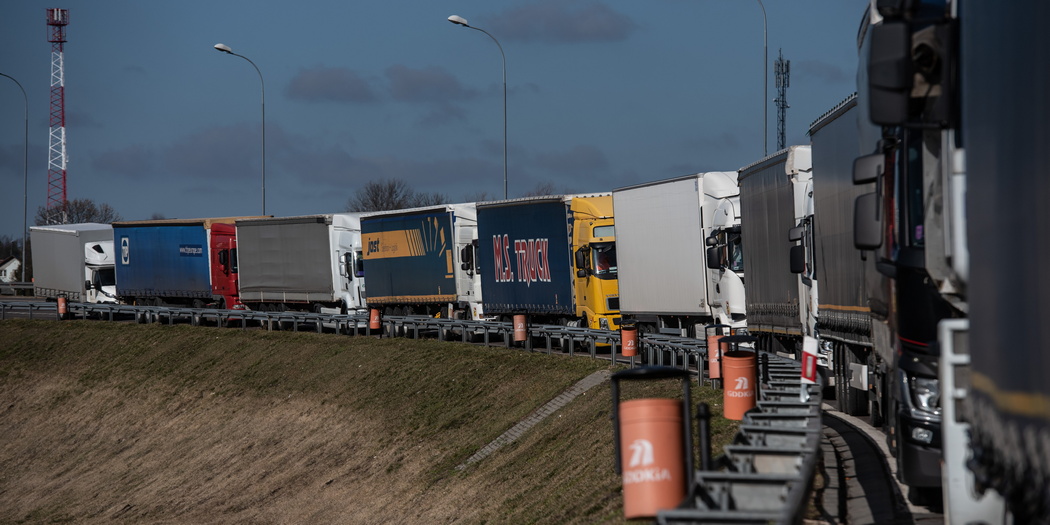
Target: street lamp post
{"type": "Point", "coordinates": [458, 20]}
{"type": "Point", "coordinates": [226, 49]}
{"type": "Point", "coordinates": [765, 83]}
{"type": "Point", "coordinates": [25, 175]}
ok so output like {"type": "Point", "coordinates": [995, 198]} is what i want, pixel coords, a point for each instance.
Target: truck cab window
{"type": "Point", "coordinates": [604, 260]}
{"type": "Point", "coordinates": [734, 252]}
{"type": "Point", "coordinates": [913, 191]}
{"type": "Point", "coordinates": [348, 264]}
{"type": "Point", "coordinates": [233, 260]}
{"type": "Point", "coordinates": [359, 265]}
{"type": "Point", "coordinates": [106, 277]}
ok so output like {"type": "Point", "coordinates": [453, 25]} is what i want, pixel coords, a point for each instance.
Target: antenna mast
{"type": "Point", "coordinates": [57, 19]}
{"type": "Point", "coordinates": [782, 68]}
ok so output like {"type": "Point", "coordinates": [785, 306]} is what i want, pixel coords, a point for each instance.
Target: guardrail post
{"type": "Point", "coordinates": [703, 418]}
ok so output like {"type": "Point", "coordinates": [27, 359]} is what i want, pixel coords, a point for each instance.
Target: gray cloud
{"type": "Point", "coordinates": [432, 84]}
{"type": "Point", "coordinates": [579, 159]}
{"type": "Point", "coordinates": [442, 114]}
{"type": "Point", "coordinates": [821, 71]}
{"type": "Point", "coordinates": [330, 84]}
{"type": "Point", "coordinates": [710, 143]}
{"type": "Point", "coordinates": [133, 161]}
{"type": "Point", "coordinates": [225, 152]}
{"type": "Point", "coordinates": [554, 21]}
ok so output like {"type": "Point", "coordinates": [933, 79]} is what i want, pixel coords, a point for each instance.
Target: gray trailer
{"type": "Point", "coordinates": [776, 211]}
{"type": "Point", "coordinates": [310, 262]}
{"type": "Point", "coordinates": [75, 261]}
{"type": "Point", "coordinates": [848, 292]}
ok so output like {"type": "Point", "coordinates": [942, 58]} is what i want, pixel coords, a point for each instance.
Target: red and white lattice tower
{"type": "Point", "coordinates": [57, 19]}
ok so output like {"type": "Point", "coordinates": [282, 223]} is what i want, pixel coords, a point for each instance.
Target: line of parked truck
{"type": "Point", "coordinates": [854, 244]}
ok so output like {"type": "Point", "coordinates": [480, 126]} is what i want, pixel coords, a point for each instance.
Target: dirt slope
{"type": "Point", "coordinates": [117, 423]}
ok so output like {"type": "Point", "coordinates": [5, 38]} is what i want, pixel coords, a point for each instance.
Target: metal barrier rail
{"type": "Point", "coordinates": [43, 309]}
{"type": "Point", "coordinates": [764, 476]}
{"type": "Point", "coordinates": [15, 288]}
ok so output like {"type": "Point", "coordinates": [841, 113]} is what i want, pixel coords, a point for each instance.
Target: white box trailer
{"type": "Point", "coordinates": [662, 229]}
{"type": "Point", "coordinates": [74, 260]}
{"type": "Point", "coordinates": [306, 263]}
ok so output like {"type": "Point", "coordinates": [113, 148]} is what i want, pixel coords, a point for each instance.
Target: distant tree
{"type": "Point", "coordinates": [391, 194]}
{"type": "Point", "coordinates": [479, 196]}
{"type": "Point", "coordinates": [157, 217]}
{"type": "Point", "coordinates": [9, 247]}
{"type": "Point", "coordinates": [430, 199]}
{"type": "Point", "coordinates": [543, 188]}
{"type": "Point", "coordinates": [77, 211]}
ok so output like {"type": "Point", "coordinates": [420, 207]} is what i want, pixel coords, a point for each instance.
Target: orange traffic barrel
{"type": "Point", "coordinates": [714, 350]}
{"type": "Point", "coordinates": [62, 307]}
{"type": "Point", "coordinates": [374, 320]}
{"type": "Point", "coordinates": [652, 456]}
{"type": "Point", "coordinates": [714, 356]}
{"type": "Point", "coordinates": [629, 340]}
{"type": "Point", "coordinates": [652, 441]}
{"type": "Point", "coordinates": [520, 331]}
{"type": "Point", "coordinates": [740, 377]}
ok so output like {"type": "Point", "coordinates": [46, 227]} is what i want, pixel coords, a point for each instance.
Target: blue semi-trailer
{"type": "Point", "coordinates": [419, 261]}
{"type": "Point", "coordinates": [552, 258]}
{"type": "Point", "coordinates": [164, 262]}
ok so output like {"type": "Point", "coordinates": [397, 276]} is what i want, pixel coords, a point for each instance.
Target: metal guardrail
{"type": "Point", "coordinates": [15, 288]}
{"type": "Point", "coordinates": [764, 476]}
{"type": "Point", "coordinates": [36, 310]}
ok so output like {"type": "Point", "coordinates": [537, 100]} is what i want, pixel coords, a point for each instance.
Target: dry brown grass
{"type": "Point", "coordinates": [118, 423]}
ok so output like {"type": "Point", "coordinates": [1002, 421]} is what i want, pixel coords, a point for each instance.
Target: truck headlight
{"type": "Point", "coordinates": [603, 323]}
{"type": "Point", "coordinates": [922, 435]}
{"type": "Point", "coordinates": [825, 347]}
{"type": "Point", "coordinates": [925, 394]}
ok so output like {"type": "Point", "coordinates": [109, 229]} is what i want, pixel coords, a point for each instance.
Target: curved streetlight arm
{"type": "Point", "coordinates": [25, 174]}
{"type": "Point", "coordinates": [226, 49]}
{"type": "Point", "coordinates": [504, 57]}
{"type": "Point", "coordinates": [458, 20]}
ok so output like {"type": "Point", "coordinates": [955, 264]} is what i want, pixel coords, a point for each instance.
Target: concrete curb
{"type": "Point", "coordinates": [539, 415]}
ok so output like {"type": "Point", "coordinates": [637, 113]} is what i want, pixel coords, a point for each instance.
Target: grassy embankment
{"type": "Point", "coordinates": [104, 422]}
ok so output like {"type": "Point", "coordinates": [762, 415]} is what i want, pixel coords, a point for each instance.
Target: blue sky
{"type": "Point", "coordinates": [600, 94]}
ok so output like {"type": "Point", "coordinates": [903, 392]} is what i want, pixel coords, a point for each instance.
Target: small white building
{"type": "Point", "coordinates": [9, 269]}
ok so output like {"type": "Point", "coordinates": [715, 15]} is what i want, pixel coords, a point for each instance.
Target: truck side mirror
{"type": "Point", "coordinates": [581, 260]}
{"type": "Point", "coordinates": [712, 240]}
{"type": "Point", "coordinates": [889, 73]}
{"type": "Point", "coordinates": [867, 169]}
{"type": "Point", "coordinates": [714, 258]}
{"type": "Point", "coordinates": [87, 285]}
{"type": "Point", "coordinates": [224, 257]}
{"type": "Point", "coordinates": [797, 258]}
{"type": "Point", "coordinates": [867, 224]}
{"type": "Point", "coordinates": [466, 256]}
{"type": "Point", "coordinates": [795, 234]}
